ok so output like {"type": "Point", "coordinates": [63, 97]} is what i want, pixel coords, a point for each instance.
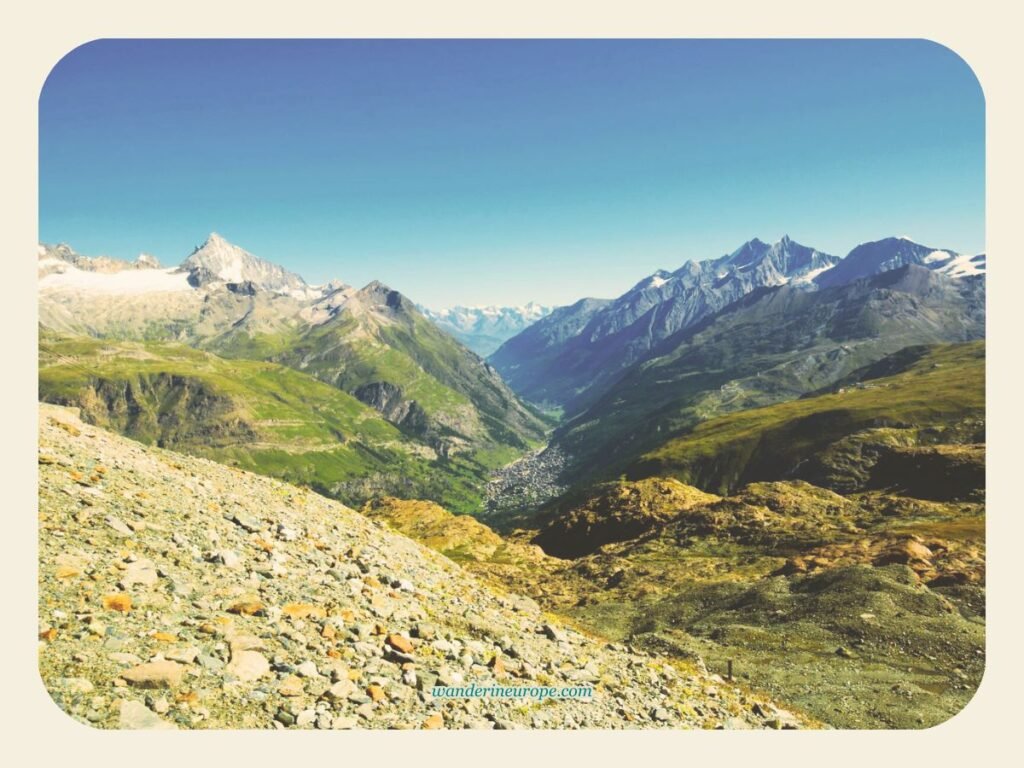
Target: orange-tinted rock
{"type": "Point", "coordinates": [303, 611]}
{"type": "Point", "coordinates": [291, 686]}
{"type": "Point", "coordinates": [400, 643]}
{"type": "Point", "coordinates": [247, 608]}
{"type": "Point", "coordinates": [119, 602]}
{"type": "Point", "coordinates": [498, 666]}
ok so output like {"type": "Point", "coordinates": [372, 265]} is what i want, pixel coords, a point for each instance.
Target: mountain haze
{"type": "Point", "coordinates": [484, 329]}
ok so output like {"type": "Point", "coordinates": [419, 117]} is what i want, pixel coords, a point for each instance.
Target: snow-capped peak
{"type": "Point", "coordinates": [217, 260]}
{"type": "Point", "coordinates": [879, 256]}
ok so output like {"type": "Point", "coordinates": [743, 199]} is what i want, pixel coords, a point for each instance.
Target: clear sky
{"type": "Point", "coordinates": [479, 172]}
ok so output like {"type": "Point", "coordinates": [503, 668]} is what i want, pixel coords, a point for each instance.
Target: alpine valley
{"type": "Point", "coordinates": [752, 487]}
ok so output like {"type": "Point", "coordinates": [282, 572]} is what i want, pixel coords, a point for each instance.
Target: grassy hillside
{"type": "Point", "coordinates": [382, 350]}
{"type": "Point", "coordinates": [942, 388]}
{"type": "Point", "coordinates": [257, 415]}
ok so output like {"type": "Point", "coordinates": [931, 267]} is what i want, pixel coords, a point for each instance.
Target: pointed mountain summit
{"type": "Point", "coordinates": [377, 295]}
{"type": "Point", "coordinates": [774, 264]}
{"type": "Point", "coordinates": [456, 419]}
{"type": "Point", "coordinates": [217, 260]}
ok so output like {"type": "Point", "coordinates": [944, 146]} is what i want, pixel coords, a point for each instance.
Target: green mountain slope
{"type": "Point", "coordinates": [836, 440]}
{"type": "Point", "coordinates": [383, 351]}
{"type": "Point", "coordinates": [256, 415]}
{"type": "Point", "coordinates": [771, 346]}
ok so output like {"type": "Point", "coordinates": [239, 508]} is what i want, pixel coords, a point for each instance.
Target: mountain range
{"type": "Point", "coordinates": [763, 324]}
{"type": "Point", "coordinates": [484, 329]}
{"type": "Point", "coordinates": [569, 358]}
{"type": "Point", "coordinates": [774, 344]}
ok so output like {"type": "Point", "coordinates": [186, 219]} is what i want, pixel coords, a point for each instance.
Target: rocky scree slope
{"type": "Point", "coordinates": [866, 610]}
{"type": "Point", "coordinates": [178, 593]}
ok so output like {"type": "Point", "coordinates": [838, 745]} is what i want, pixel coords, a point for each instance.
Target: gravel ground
{"type": "Point", "coordinates": [175, 592]}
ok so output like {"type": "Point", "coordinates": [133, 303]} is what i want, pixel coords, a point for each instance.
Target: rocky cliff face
{"type": "Point", "coordinates": [389, 399]}
{"type": "Point", "coordinates": [166, 409]}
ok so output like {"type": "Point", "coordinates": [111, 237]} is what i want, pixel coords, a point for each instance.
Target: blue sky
{"type": "Point", "coordinates": [505, 171]}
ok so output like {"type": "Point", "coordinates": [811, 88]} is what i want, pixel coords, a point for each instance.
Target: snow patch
{"type": "Point", "coordinates": [935, 256]}
{"type": "Point", "coordinates": [964, 266]}
{"type": "Point", "coordinates": [656, 281]}
{"type": "Point", "coordinates": [127, 281]}
{"type": "Point", "coordinates": [810, 274]}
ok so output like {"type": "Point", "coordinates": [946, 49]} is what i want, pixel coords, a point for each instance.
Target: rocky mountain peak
{"type": "Point", "coordinates": [218, 260]}
{"type": "Point", "coordinates": [378, 294]}
{"type": "Point", "coordinates": [747, 253]}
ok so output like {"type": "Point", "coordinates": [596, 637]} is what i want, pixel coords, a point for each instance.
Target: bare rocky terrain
{"type": "Point", "coordinates": [175, 592]}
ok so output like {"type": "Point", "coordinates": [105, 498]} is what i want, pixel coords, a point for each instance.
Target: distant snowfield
{"type": "Point", "coordinates": [808, 277]}
{"type": "Point", "coordinates": [934, 256]}
{"type": "Point", "coordinates": [125, 282]}
{"type": "Point", "coordinates": [965, 266]}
